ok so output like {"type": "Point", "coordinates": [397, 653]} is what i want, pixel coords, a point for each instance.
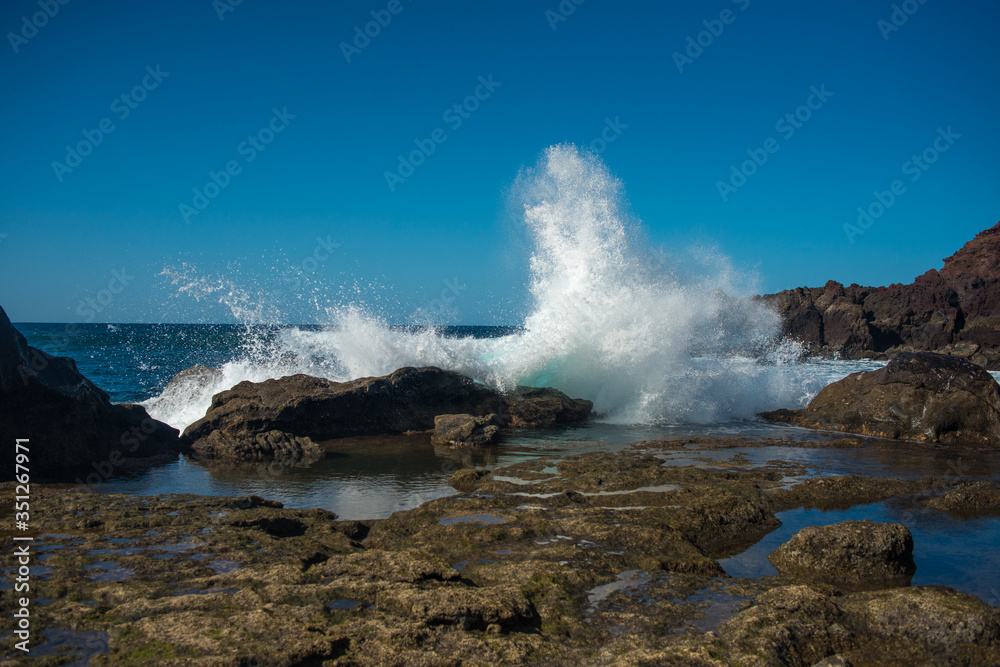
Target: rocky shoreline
{"type": "Point", "coordinates": [604, 559]}
{"type": "Point", "coordinates": [951, 311]}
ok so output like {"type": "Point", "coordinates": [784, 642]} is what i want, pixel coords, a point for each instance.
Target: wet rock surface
{"type": "Point", "coordinates": [856, 554]}
{"type": "Point", "coordinates": [916, 396]}
{"type": "Point", "coordinates": [601, 558]}
{"type": "Point", "coordinates": [72, 423]}
{"type": "Point", "coordinates": [465, 430]}
{"type": "Point", "coordinates": [308, 409]}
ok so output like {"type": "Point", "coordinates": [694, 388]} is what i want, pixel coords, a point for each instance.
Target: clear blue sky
{"type": "Point", "coordinates": [323, 175]}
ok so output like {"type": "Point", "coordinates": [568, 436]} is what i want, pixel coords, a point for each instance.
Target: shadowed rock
{"type": "Point", "coordinates": [916, 396]}
{"type": "Point", "coordinates": [855, 554]}
{"type": "Point", "coordinates": [71, 423]}
{"type": "Point", "coordinates": [316, 409]}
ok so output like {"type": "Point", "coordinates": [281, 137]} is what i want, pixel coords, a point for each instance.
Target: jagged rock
{"type": "Point", "coordinates": [916, 396]}
{"type": "Point", "coordinates": [409, 399]}
{"type": "Point", "coordinates": [465, 430]}
{"type": "Point", "coordinates": [955, 310]}
{"type": "Point", "coordinates": [856, 554]}
{"type": "Point", "coordinates": [73, 428]}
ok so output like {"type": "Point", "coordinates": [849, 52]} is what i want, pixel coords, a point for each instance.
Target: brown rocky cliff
{"type": "Point", "coordinates": [955, 310]}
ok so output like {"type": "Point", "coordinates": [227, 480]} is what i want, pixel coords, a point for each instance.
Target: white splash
{"type": "Point", "coordinates": [648, 337]}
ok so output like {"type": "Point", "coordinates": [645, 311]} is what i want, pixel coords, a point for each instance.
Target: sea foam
{"type": "Point", "coordinates": [649, 336]}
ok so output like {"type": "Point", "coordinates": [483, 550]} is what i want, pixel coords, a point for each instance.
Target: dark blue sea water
{"type": "Point", "coordinates": [134, 362]}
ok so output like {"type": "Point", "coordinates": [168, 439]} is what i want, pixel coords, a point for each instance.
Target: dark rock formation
{"type": "Point", "coordinates": [192, 378]}
{"type": "Point", "coordinates": [465, 430]}
{"type": "Point", "coordinates": [916, 396]}
{"type": "Point", "coordinates": [409, 399]}
{"type": "Point", "coordinates": [799, 625]}
{"type": "Point", "coordinates": [544, 407]}
{"type": "Point", "coordinates": [855, 554]}
{"type": "Point", "coordinates": [970, 499]}
{"type": "Point", "coordinates": [955, 310]}
{"type": "Point", "coordinates": [260, 447]}
{"type": "Point", "coordinates": [73, 428]}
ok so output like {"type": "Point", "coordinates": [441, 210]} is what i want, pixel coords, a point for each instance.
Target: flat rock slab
{"type": "Point", "coordinates": [853, 554]}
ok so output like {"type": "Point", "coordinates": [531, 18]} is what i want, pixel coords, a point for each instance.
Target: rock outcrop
{"type": "Point", "coordinates": [301, 406]}
{"type": "Point", "coordinates": [853, 554]}
{"type": "Point", "coordinates": [955, 310]}
{"type": "Point", "coordinates": [544, 407]}
{"type": "Point", "coordinates": [917, 396]}
{"type": "Point", "coordinates": [465, 430]}
{"type": "Point", "coordinates": [73, 428]}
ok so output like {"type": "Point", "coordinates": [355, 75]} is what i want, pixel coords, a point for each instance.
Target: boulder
{"type": "Point", "coordinates": [73, 427]}
{"type": "Point", "coordinates": [265, 446]}
{"type": "Point", "coordinates": [192, 378]}
{"type": "Point", "coordinates": [920, 625]}
{"type": "Point", "coordinates": [917, 396]}
{"type": "Point", "coordinates": [465, 430]}
{"type": "Point", "coordinates": [544, 407]}
{"type": "Point", "coordinates": [409, 399]}
{"type": "Point", "coordinates": [969, 499]}
{"type": "Point", "coordinates": [936, 624]}
{"type": "Point", "coordinates": [321, 409]}
{"type": "Point", "coordinates": [854, 554]}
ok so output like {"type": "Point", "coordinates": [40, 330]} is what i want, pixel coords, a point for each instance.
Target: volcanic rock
{"type": "Point", "coordinates": [955, 310]}
{"type": "Point", "coordinates": [465, 430]}
{"type": "Point", "coordinates": [857, 554]}
{"type": "Point", "coordinates": [70, 422]}
{"type": "Point", "coordinates": [407, 400]}
{"type": "Point", "coordinates": [916, 396]}
{"type": "Point", "coordinates": [544, 407]}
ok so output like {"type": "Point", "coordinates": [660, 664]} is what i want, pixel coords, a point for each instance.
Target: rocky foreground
{"type": "Point", "coordinates": [953, 310]}
{"type": "Point", "coordinates": [596, 559]}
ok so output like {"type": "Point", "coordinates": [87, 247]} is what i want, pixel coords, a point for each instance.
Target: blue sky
{"type": "Point", "coordinates": [311, 218]}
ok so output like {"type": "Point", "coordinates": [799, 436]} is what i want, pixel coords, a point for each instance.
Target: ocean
{"type": "Point", "coordinates": [665, 344]}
